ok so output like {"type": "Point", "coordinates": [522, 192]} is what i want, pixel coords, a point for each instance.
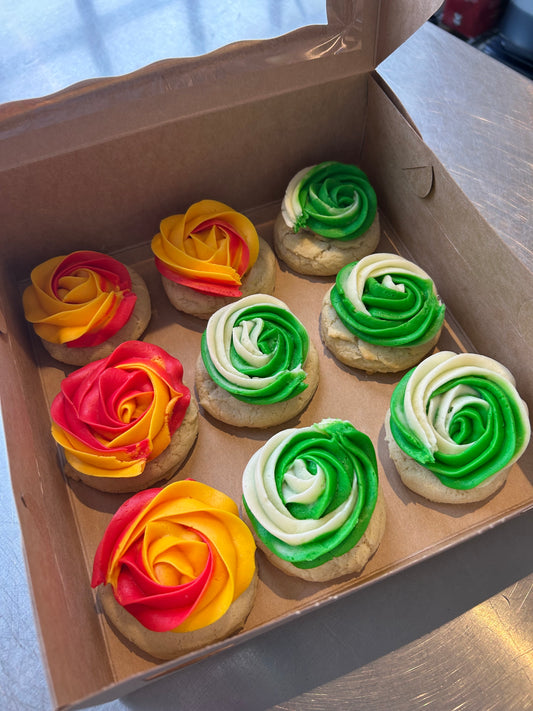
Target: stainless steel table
{"type": "Point", "coordinates": [452, 633]}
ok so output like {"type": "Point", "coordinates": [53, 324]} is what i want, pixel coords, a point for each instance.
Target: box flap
{"type": "Point", "coordinates": [358, 35]}
{"type": "Point", "coordinates": [398, 20]}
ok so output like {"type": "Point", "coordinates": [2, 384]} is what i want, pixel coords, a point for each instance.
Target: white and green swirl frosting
{"type": "Point", "coordinates": [387, 300]}
{"type": "Point", "coordinates": [334, 200]}
{"type": "Point", "coordinates": [310, 492]}
{"type": "Point", "coordinates": [461, 417]}
{"type": "Point", "coordinates": [255, 348]}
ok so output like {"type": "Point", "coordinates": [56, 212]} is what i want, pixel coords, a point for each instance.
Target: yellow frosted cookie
{"type": "Point", "coordinates": [127, 421]}
{"type": "Point", "coordinates": [195, 581]}
{"type": "Point", "coordinates": [210, 256]}
{"type": "Point", "coordinates": [83, 305]}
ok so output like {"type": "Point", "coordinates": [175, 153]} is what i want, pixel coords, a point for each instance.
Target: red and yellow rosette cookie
{"type": "Point", "coordinates": [175, 569]}
{"type": "Point", "coordinates": [210, 256]}
{"type": "Point", "coordinates": [84, 304]}
{"type": "Point", "coordinates": [126, 421]}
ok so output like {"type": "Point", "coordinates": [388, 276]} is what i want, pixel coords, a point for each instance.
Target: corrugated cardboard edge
{"type": "Point", "coordinates": [177, 87]}
{"type": "Point", "coordinates": [398, 19]}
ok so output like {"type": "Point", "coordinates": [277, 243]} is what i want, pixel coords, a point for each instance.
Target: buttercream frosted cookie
{"type": "Point", "coordinates": [175, 569]}
{"type": "Point", "coordinates": [257, 366]}
{"type": "Point", "coordinates": [328, 218]}
{"type": "Point", "coordinates": [382, 315]}
{"type": "Point", "coordinates": [456, 425]}
{"type": "Point", "coordinates": [211, 256]}
{"type": "Point", "coordinates": [313, 499]}
{"type": "Point", "coordinates": [84, 304]}
{"type": "Point", "coordinates": [127, 421]}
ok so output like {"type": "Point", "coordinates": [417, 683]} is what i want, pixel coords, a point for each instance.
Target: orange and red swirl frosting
{"type": "Point", "coordinates": [177, 556]}
{"type": "Point", "coordinates": [81, 299]}
{"type": "Point", "coordinates": [209, 248]}
{"type": "Point", "coordinates": [115, 414]}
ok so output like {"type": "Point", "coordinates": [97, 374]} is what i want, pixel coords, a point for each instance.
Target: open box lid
{"type": "Point", "coordinates": [359, 34]}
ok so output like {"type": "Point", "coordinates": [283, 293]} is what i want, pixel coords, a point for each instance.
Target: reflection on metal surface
{"type": "Point", "coordinates": [481, 661]}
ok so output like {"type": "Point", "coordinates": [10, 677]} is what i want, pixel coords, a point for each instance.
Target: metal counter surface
{"type": "Point", "coordinates": [452, 633]}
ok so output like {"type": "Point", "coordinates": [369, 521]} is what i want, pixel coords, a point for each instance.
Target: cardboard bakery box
{"type": "Point", "coordinates": [99, 165]}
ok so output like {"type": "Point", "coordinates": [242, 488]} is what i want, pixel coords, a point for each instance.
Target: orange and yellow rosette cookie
{"type": "Point", "coordinates": [126, 420]}
{"type": "Point", "coordinates": [209, 248]}
{"type": "Point", "coordinates": [177, 568]}
{"type": "Point", "coordinates": [81, 299]}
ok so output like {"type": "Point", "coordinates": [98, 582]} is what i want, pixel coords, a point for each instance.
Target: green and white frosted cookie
{"type": "Point", "coordinates": [455, 427]}
{"type": "Point", "coordinates": [313, 500]}
{"type": "Point", "coordinates": [257, 366]}
{"type": "Point", "coordinates": [328, 218]}
{"type": "Point", "coordinates": [383, 314]}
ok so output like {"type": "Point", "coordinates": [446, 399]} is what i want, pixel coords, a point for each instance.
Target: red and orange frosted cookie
{"type": "Point", "coordinates": [126, 421]}
{"type": "Point", "coordinates": [210, 256]}
{"type": "Point", "coordinates": [175, 569]}
{"type": "Point", "coordinates": [84, 304]}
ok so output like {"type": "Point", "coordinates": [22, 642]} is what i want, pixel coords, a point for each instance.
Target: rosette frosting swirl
{"type": "Point", "coordinates": [115, 414]}
{"type": "Point", "coordinates": [333, 200]}
{"type": "Point", "coordinates": [461, 417]}
{"type": "Point", "coordinates": [387, 300]}
{"type": "Point", "coordinates": [209, 248]}
{"type": "Point", "coordinates": [310, 492]}
{"type": "Point", "coordinates": [176, 557]}
{"type": "Point", "coordinates": [255, 348]}
{"type": "Point", "coordinates": [81, 299]}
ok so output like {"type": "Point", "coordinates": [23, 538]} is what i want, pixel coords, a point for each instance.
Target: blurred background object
{"type": "Point", "coordinates": [503, 29]}
{"type": "Point", "coordinates": [471, 18]}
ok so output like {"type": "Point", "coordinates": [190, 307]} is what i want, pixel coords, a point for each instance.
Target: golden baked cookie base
{"type": "Point", "coordinates": [261, 279]}
{"type": "Point", "coordinates": [350, 563]}
{"type": "Point", "coordinates": [168, 645]}
{"type": "Point", "coordinates": [423, 482]}
{"type": "Point", "coordinates": [356, 353]}
{"type": "Point", "coordinates": [157, 470]}
{"type": "Point", "coordinates": [308, 253]}
{"type": "Point", "coordinates": [226, 408]}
